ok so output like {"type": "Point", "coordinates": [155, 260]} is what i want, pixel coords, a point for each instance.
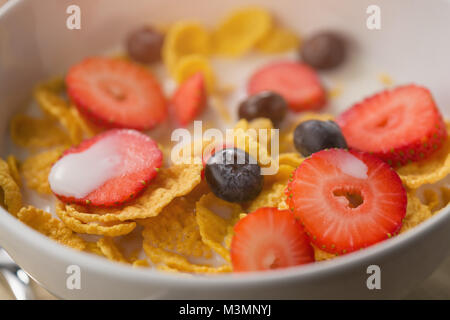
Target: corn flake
{"type": "Point", "coordinates": [13, 165]}
{"type": "Point", "coordinates": [173, 262]}
{"type": "Point", "coordinates": [272, 194]}
{"type": "Point", "coordinates": [239, 32]}
{"type": "Point", "coordinates": [183, 39]}
{"type": "Point", "coordinates": [445, 191]}
{"type": "Point", "coordinates": [176, 229]}
{"type": "Point", "coordinates": [427, 171]}
{"type": "Point", "coordinates": [248, 141]}
{"type": "Point", "coordinates": [55, 84]}
{"type": "Point", "coordinates": [36, 169]}
{"type": "Point", "coordinates": [278, 40]}
{"type": "Point", "coordinates": [9, 190]}
{"type": "Point", "coordinates": [57, 108]}
{"type": "Point", "coordinates": [216, 219]}
{"type": "Point", "coordinates": [141, 263]}
{"type": "Point", "coordinates": [187, 66]}
{"type": "Point", "coordinates": [431, 199]}
{"type": "Point", "coordinates": [93, 248]}
{"type": "Point", "coordinates": [169, 184]}
{"type": "Point", "coordinates": [44, 223]}
{"type": "Point", "coordinates": [87, 128]}
{"type": "Point", "coordinates": [105, 229]}
{"type": "Point", "coordinates": [416, 212]}
{"type": "Point", "coordinates": [110, 250]}
{"type": "Point", "coordinates": [320, 255]}
{"type": "Point", "coordinates": [33, 133]}
{"type": "Point", "coordinates": [292, 159]}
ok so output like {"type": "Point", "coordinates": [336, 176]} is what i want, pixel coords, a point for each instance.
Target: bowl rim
{"type": "Point", "coordinates": [32, 238]}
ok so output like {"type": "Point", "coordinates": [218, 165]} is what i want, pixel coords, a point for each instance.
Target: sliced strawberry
{"type": "Point", "coordinates": [347, 200]}
{"type": "Point", "coordinates": [399, 125]}
{"type": "Point", "coordinates": [137, 160]}
{"type": "Point", "coordinates": [297, 82]}
{"type": "Point", "coordinates": [269, 239]}
{"type": "Point", "coordinates": [189, 99]}
{"type": "Point", "coordinates": [115, 93]}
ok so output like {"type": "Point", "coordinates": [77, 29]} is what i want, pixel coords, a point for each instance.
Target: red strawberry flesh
{"type": "Point", "coordinates": [269, 239]}
{"type": "Point", "coordinates": [347, 200]}
{"type": "Point", "coordinates": [399, 126]}
{"type": "Point", "coordinates": [115, 93]}
{"type": "Point", "coordinates": [189, 99]}
{"type": "Point", "coordinates": [296, 82]}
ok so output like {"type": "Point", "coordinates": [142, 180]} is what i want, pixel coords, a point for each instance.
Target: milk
{"type": "Point", "coordinates": [78, 174]}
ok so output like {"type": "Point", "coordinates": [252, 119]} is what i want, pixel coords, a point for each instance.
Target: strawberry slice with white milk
{"type": "Point", "coordinates": [107, 170]}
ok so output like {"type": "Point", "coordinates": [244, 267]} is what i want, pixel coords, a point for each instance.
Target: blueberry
{"type": "Point", "coordinates": [325, 50]}
{"type": "Point", "coordinates": [266, 104]}
{"type": "Point", "coordinates": [144, 45]}
{"type": "Point", "coordinates": [314, 135]}
{"type": "Point", "coordinates": [233, 175]}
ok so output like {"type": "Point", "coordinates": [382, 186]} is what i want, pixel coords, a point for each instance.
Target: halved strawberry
{"type": "Point", "coordinates": [297, 82]}
{"type": "Point", "coordinates": [122, 162]}
{"type": "Point", "coordinates": [347, 200]}
{"type": "Point", "coordinates": [398, 125]}
{"type": "Point", "coordinates": [269, 239]}
{"type": "Point", "coordinates": [115, 93]}
{"type": "Point", "coordinates": [189, 99]}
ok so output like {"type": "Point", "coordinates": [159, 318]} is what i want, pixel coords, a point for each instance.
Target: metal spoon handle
{"type": "Point", "coordinates": [18, 281]}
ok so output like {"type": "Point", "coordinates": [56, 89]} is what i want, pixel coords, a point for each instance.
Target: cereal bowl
{"type": "Point", "coordinates": [36, 43]}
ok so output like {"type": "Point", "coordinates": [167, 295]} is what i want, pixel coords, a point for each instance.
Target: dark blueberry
{"type": "Point", "coordinates": [314, 135]}
{"type": "Point", "coordinates": [325, 50]}
{"type": "Point", "coordinates": [265, 104]}
{"type": "Point", "coordinates": [144, 45]}
{"type": "Point", "coordinates": [233, 175]}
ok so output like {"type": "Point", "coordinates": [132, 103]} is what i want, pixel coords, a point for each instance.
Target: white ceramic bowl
{"type": "Point", "coordinates": [412, 45]}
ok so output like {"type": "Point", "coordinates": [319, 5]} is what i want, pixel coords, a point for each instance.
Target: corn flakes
{"type": "Point", "coordinates": [110, 250]}
{"type": "Point", "coordinates": [172, 261]}
{"type": "Point", "coordinates": [427, 171]}
{"type": "Point", "coordinates": [183, 39]}
{"type": "Point", "coordinates": [33, 133]}
{"type": "Point", "coordinates": [141, 263]}
{"type": "Point", "coordinates": [36, 169]}
{"type": "Point", "coordinates": [416, 212]}
{"type": "Point", "coordinates": [278, 40]}
{"type": "Point", "coordinates": [10, 191]}
{"type": "Point", "coordinates": [44, 223]}
{"type": "Point", "coordinates": [272, 193]}
{"type": "Point", "coordinates": [445, 191]}
{"type": "Point", "coordinates": [320, 255]}
{"type": "Point", "coordinates": [56, 107]}
{"type": "Point", "coordinates": [187, 66]}
{"type": "Point", "coordinates": [248, 141]}
{"type": "Point", "coordinates": [431, 199]}
{"type": "Point", "coordinates": [292, 159]}
{"type": "Point", "coordinates": [176, 229]}
{"type": "Point", "coordinates": [240, 31]}
{"type": "Point", "coordinates": [13, 165]}
{"type": "Point", "coordinates": [169, 184]}
{"type": "Point", "coordinates": [105, 229]}
{"type": "Point", "coordinates": [216, 219]}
